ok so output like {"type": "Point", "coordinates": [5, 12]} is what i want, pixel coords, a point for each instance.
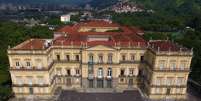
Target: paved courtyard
{"type": "Point", "coordinates": [125, 96]}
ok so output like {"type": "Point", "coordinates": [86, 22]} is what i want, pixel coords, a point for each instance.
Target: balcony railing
{"type": "Point", "coordinates": [28, 69]}
{"type": "Point", "coordinates": [172, 70]}
{"type": "Point", "coordinates": [30, 85]}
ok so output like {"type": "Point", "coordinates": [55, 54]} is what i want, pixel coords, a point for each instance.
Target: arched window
{"type": "Point", "coordinates": [100, 58]}
{"type": "Point", "coordinates": [110, 58]}
{"type": "Point", "coordinates": [91, 57]}
{"type": "Point", "coordinates": [100, 72]}
{"type": "Point", "coordinates": [109, 73]}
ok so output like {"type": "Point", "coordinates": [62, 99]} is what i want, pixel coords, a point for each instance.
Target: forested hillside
{"type": "Point", "coordinates": [182, 17]}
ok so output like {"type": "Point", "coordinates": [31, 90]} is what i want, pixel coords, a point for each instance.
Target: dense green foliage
{"type": "Point", "coordinates": [180, 18]}
{"type": "Point", "coordinates": [13, 34]}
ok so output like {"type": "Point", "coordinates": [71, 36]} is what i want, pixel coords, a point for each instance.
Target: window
{"type": "Point", "coordinates": [39, 65]}
{"type": "Point", "coordinates": [77, 72]}
{"type": "Point", "coordinates": [158, 90]}
{"type": "Point", "coordinates": [173, 65]}
{"type": "Point", "coordinates": [122, 72]}
{"type": "Point", "coordinates": [68, 72]}
{"type": "Point", "coordinates": [169, 80]}
{"type": "Point", "coordinates": [67, 57]}
{"type": "Point", "coordinates": [109, 83]}
{"type": "Point", "coordinates": [159, 81]}
{"type": "Point", "coordinates": [100, 58]}
{"type": "Point", "coordinates": [121, 80]}
{"type": "Point", "coordinates": [142, 58]}
{"type": "Point", "coordinates": [91, 58]}
{"type": "Point", "coordinates": [17, 65]}
{"type": "Point", "coordinates": [123, 57]}
{"type": "Point", "coordinates": [100, 73]}
{"type": "Point", "coordinates": [109, 74]}
{"type": "Point", "coordinates": [77, 57]}
{"type": "Point", "coordinates": [20, 89]}
{"type": "Point", "coordinates": [162, 64]}
{"type": "Point", "coordinates": [40, 80]}
{"type": "Point", "coordinates": [30, 80]}
{"type": "Point", "coordinates": [58, 57]}
{"type": "Point", "coordinates": [58, 70]}
{"type": "Point", "coordinates": [131, 71]}
{"type": "Point", "coordinates": [28, 64]}
{"type": "Point", "coordinates": [179, 90]}
{"type": "Point", "coordinates": [132, 57]}
{"type": "Point", "coordinates": [91, 84]}
{"type": "Point", "coordinates": [180, 80]}
{"type": "Point", "coordinates": [110, 58]}
{"type": "Point", "coordinates": [183, 65]}
{"type": "Point", "coordinates": [19, 80]}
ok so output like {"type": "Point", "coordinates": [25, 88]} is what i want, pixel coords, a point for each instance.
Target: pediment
{"type": "Point", "coordinates": [101, 48]}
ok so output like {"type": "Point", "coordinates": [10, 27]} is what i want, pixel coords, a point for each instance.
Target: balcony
{"type": "Point", "coordinates": [67, 61]}
{"type": "Point", "coordinates": [109, 77]}
{"type": "Point", "coordinates": [28, 69]}
{"type": "Point", "coordinates": [171, 70]}
{"type": "Point", "coordinates": [167, 86]}
{"type": "Point", "coordinates": [34, 68]}
{"type": "Point", "coordinates": [90, 76]}
{"type": "Point", "coordinates": [30, 85]}
{"type": "Point", "coordinates": [129, 61]}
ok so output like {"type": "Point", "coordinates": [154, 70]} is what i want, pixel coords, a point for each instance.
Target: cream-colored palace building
{"type": "Point", "coordinates": [98, 54]}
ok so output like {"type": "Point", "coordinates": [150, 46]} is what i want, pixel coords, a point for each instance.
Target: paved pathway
{"type": "Point", "coordinates": [125, 96]}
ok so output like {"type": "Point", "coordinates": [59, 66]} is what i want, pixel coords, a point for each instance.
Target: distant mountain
{"type": "Point", "coordinates": [94, 3]}
{"type": "Point", "coordinates": [45, 1]}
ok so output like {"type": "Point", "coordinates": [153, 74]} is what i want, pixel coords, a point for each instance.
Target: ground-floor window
{"type": "Point", "coordinates": [91, 84]}
{"type": "Point", "coordinates": [68, 81]}
{"type": "Point", "coordinates": [109, 83]}
{"type": "Point", "coordinates": [31, 90]}
{"type": "Point", "coordinates": [99, 83]}
{"type": "Point", "coordinates": [130, 82]}
{"type": "Point", "coordinates": [168, 91]}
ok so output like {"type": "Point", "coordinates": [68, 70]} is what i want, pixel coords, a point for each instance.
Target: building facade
{"type": "Point", "coordinates": [95, 55]}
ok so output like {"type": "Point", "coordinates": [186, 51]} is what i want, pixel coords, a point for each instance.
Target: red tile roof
{"type": "Point", "coordinates": [127, 38]}
{"type": "Point", "coordinates": [166, 45]}
{"type": "Point", "coordinates": [31, 44]}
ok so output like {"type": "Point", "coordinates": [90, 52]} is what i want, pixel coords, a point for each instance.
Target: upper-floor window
{"type": "Point", "coordinates": [28, 64]}
{"type": "Point", "coordinates": [159, 81]}
{"type": "Point", "coordinates": [91, 58]}
{"type": "Point", "coordinates": [142, 58]}
{"type": "Point", "coordinates": [183, 65]}
{"type": "Point", "coordinates": [17, 64]}
{"type": "Point", "coordinates": [58, 71]}
{"type": "Point", "coordinates": [77, 57]}
{"type": "Point", "coordinates": [123, 57]}
{"type": "Point", "coordinates": [68, 72]}
{"type": "Point", "coordinates": [40, 80]}
{"type": "Point", "coordinates": [109, 58]}
{"type": "Point", "coordinates": [180, 80]}
{"type": "Point", "coordinates": [162, 64]}
{"type": "Point", "coordinates": [169, 81]}
{"type": "Point", "coordinates": [39, 63]}
{"type": "Point", "coordinates": [67, 57]}
{"type": "Point", "coordinates": [100, 58]}
{"type": "Point", "coordinates": [173, 65]}
{"type": "Point", "coordinates": [132, 57]}
{"type": "Point", "coordinates": [109, 73]}
{"type": "Point", "coordinates": [58, 57]}
{"type": "Point", "coordinates": [100, 72]}
{"type": "Point", "coordinates": [19, 80]}
{"type": "Point", "coordinates": [131, 71]}
{"type": "Point", "coordinates": [77, 72]}
{"type": "Point", "coordinates": [30, 80]}
{"type": "Point", "coordinates": [122, 72]}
